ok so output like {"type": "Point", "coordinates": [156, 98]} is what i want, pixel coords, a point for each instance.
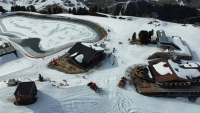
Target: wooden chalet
{"type": "Point", "coordinates": [26, 93]}
{"type": "Point", "coordinates": [84, 55]}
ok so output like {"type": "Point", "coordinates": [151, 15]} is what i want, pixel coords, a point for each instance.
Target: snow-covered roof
{"type": "Point", "coordinates": [79, 58]}
{"type": "Point", "coordinates": [93, 47]}
{"type": "Point", "coordinates": [191, 65]}
{"type": "Point", "coordinates": [2, 42]}
{"type": "Point", "coordinates": [183, 73]}
{"type": "Point", "coordinates": [74, 54]}
{"type": "Point", "coordinates": [149, 72]}
{"type": "Point", "coordinates": [184, 49]}
{"type": "Point", "coordinates": [161, 69]}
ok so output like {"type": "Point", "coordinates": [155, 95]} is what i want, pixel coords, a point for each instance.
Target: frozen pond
{"type": "Point", "coordinates": [43, 36]}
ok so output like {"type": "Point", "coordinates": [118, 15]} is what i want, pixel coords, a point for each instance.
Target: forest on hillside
{"type": "Point", "coordinates": [167, 12]}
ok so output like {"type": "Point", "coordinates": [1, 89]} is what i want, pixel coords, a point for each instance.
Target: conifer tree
{"type": "Point", "coordinates": [106, 10]}
{"type": "Point", "coordinates": [74, 11]}
{"type": "Point", "coordinates": [132, 13]}
{"type": "Point", "coordinates": [33, 8]}
{"type": "Point", "coordinates": [54, 10]}
{"type": "Point", "coordinates": [174, 21]}
{"type": "Point", "coordinates": [134, 36]}
{"type": "Point", "coordinates": [100, 10]}
{"type": "Point", "coordinates": [70, 11]}
{"type": "Point", "coordinates": [185, 21]}
{"type": "Point", "coordinates": [116, 12]}
{"type": "Point", "coordinates": [60, 10]}
{"type": "Point", "coordinates": [49, 11]}
{"type": "Point", "coordinates": [139, 14]}
{"type": "Point", "coordinates": [95, 8]}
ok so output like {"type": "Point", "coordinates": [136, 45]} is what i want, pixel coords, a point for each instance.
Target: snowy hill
{"type": "Point", "coordinates": [77, 97]}
{"type": "Point", "coordinates": [41, 4]}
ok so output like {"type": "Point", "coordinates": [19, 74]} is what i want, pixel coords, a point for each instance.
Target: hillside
{"type": "Point", "coordinates": [78, 97]}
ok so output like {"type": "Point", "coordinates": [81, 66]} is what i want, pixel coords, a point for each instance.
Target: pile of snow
{"type": "Point", "coordinates": [159, 67]}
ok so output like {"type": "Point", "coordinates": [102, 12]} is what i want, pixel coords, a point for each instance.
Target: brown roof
{"type": "Point", "coordinates": [166, 77]}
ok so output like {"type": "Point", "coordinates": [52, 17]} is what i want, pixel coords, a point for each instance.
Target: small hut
{"type": "Point", "coordinates": [12, 82]}
{"type": "Point", "coordinates": [26, 93]}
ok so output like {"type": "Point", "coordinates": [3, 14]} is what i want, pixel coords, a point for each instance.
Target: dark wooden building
{"type": "Point", "coordinates": [85, 55]}
{"type": "Point", "coordinates": [26, 93]}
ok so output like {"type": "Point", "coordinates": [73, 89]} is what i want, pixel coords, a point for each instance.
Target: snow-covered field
{"type": "Point", "coordinates": [77, 97]}
{"type": "Point", "coordinates": [53, 33]}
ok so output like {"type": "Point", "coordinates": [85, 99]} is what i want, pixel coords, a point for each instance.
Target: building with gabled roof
{"type": "Point", "coordinates": [6, 48]}
{"type": "Point", "coordinates": [80, 58]}
{"type": "Point", "coordinates": [84, 54]}
{"type": "Point", "coordinates": [26, 92]}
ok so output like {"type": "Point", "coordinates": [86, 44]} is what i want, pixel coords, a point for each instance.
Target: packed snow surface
{"type": "Point", "coordinates": [78, 97]}
{"type": "Point", "coordinates": [53, 33]}
{"type": "Point", "coordinates": [159, 67]}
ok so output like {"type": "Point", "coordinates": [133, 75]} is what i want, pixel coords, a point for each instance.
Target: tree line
{"type": "Point", "coordinates": [144, 36]}
{"type": "Point", "coordinates": [2, 9]}
{"type": "Point", "coordinates": [23, 8]}
{"type": "Point", "coordinates": [55, 10]}
{"type": "Point", "coordinates": [166, 12]}
{"type": "Point", "coordinates": [92, 11]}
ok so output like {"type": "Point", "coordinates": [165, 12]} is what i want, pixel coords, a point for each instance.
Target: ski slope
{"type": "Point", "coordinates": [77, 97]}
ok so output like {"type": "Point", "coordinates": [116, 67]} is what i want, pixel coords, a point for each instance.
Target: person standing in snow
{"type": "Point", "coordinates": [130, 82]}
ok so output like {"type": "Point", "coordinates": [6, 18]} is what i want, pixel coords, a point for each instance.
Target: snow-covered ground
{"type": "Point", "coordinates": [77, 97]}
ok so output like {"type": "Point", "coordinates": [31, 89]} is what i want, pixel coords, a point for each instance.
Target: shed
{"type": "Point", "coordinates": [12, 82]}
{"type": "Point", "coordinates": [26, 93]}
